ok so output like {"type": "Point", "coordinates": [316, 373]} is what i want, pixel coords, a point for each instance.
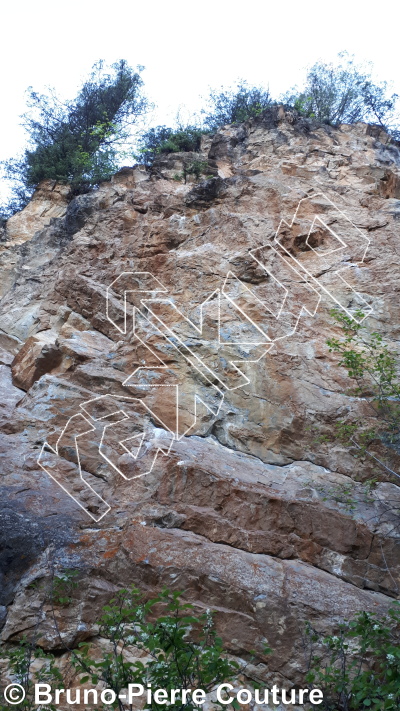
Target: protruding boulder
{"type": "Point", "coordinates": [39, 355]}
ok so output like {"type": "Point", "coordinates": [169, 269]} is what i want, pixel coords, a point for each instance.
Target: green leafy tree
{"type": "Point", "coordinates": [345, 93]}
{"type": "Point", "coordinates": [77, 142]}
{"type": "Point", "coordinates": [235, 105]}
{"type": "Point", "coordinates": [183, 650]}
{"type": "Point", "coordinates": [63, 585]}
{"type": "Point", "coordinates": [358, 667]}
{"type": "Point", "coordinates": [28, 665]}
{"type": "Point", "coordinates": [161, 139]}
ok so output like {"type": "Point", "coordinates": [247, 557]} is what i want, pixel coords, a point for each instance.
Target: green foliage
{"type": "Point", "coordinates": [235, 105]}
{"type": "Point", "coordinates": [183, 650]}
{"type": "Point", "coordinates": [63, 585]}
{"type": "Point", "coordinates": [168, 140]}
{"type": "Point", "coordinates": [348, 493]}
{"type": "Point", "coordinates": [345, 93]}
{"type": "Point", "coordinates": [342, 493]}
{"type": "Point", "coordinates": [224, 106]}
{"type": "Point", "coordinates": [351, 434]}
{"type": "Point", "coordinates": [28, 665]}
{"type": "Point", "coordinates": [374, 369]}
{"type": "Point", "coordinates": [194, 167]}
{"type": "Point", "coordinates": [359, 667]}
{"type": "Point", "coordinates": [176, 660]}
{"type": "Point", "coordinates": [77, 142]}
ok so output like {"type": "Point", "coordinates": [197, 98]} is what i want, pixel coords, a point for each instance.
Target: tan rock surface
{"type": "Point", "coordinates": [50, 201]}
{"type": "Point", "coordinates": [247, 514]}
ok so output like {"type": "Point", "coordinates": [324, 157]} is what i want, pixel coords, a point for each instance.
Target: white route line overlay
{"type": "Point", "coordinates": [140, 436]}
{"type": "Point", "coordinates": [140, 285]}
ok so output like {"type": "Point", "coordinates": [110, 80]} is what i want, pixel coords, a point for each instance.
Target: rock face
{"type": "Point", "coordinates": [49, 201]}
{"type": "Point", "coordinates": [167, 340]}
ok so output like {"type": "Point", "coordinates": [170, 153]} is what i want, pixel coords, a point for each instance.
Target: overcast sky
{"type": "Point", "coordinates": [185, 46]}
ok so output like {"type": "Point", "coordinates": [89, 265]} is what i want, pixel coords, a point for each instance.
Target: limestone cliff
{"type": "Point", "coordinates": [220, 489]}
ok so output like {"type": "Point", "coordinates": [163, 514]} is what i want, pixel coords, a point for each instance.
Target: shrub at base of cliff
{"type": "Point", "coordinates": [159, 644]}
{"type": "Point", "coordinates": [174, 662]}
{"type": "Point", "coordinates": [179, 650]}
{"type": "Point", "coordinates": [359, 667]}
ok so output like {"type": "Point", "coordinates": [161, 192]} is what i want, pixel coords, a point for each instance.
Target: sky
{"type": "Point", "coordinates": [185, 47]}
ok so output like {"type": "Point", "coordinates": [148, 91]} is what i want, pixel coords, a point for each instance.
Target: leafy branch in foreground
{"type": "Point", "coordinates": [28, 665]}
{"type": "Point", "coordinates": [358, 667]}
{"type": "Point", "coordinates": [157, 643]}
{"type": "Point", "coordinates": [160, 644]}
{"type": "Point", "coordinates": [175, 660]}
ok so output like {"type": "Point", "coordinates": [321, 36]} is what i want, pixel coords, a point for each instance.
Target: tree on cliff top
{"type": "Point", "coordinates": [77, 141]}
{"type": "Point", "coordinates": [162, 139]}
{"type": "Point", "coordinates": [224, 106]}
{"type": "Point", "coordinates": [345, 93]}
{"type": "Point", "coordinates": [235, 105]}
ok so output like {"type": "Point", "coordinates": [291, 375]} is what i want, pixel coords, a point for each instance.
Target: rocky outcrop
{"type": "Point", "coordinates": [222, 490]}
{"type": "Point", "coordinates": [49, 202]}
